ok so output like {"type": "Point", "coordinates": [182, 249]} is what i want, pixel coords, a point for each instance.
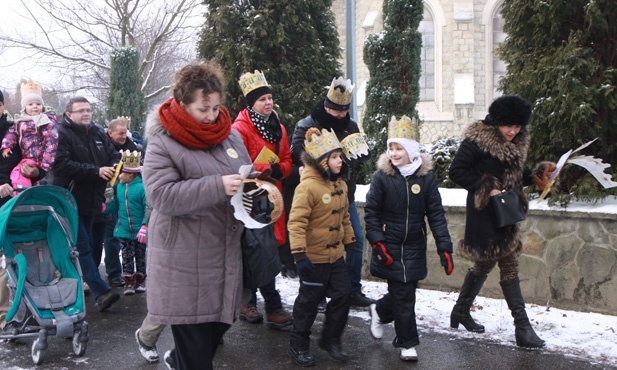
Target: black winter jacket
{"type": "Point", "coordinates": [82, 151]}
{"type": "Point", "coordinates": [395, 213]}
{"type": "Point", "coordinates": [486, 161]}
{"type": "Point", "coordinates": [7, 164]}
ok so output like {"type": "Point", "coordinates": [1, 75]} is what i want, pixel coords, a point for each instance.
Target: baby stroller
{"type": "Point", "coordinates": [38, 231]}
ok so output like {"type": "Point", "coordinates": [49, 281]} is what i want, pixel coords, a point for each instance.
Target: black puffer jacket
{"type": "Point", "coordinates": [82, 151]}
{"type": "Point", "coordinates": [7, 164]}
{"type": "Point", "coordinates": [396, 209]}
{"type": "Point", "coordinates": [486, 161]}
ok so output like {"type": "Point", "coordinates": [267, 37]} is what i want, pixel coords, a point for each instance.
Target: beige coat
{"type": "Point", "coordinates": [319, 222]}
{"type": "Point", "coordinates": [194, 258]}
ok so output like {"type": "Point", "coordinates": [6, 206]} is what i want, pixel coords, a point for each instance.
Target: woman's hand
{"type": "Point", "coordinates": [29, 170]}
{"type": "Point", "coordinates": [495, 192]}
{"type": "Point", "coordinates": [232, 184]}
{"type": "Point", "coordinates": [5, 190]}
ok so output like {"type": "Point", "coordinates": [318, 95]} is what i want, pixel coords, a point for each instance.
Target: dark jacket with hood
{"type": "Point", "coordinates": [7, 164]}
{"type": "Point", "coordinates": [396, 212]}
{"type": "Point", "coordinates": [486, 161]}
{"type": "Point", "coordinates": [82, 151]}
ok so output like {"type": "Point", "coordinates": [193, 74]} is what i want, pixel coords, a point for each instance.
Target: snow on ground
{"type": "Point", "coordinates": [583, 335]}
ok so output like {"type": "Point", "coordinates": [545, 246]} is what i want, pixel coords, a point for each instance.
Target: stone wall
{"type": "Point", "coordinates": [569, 260]}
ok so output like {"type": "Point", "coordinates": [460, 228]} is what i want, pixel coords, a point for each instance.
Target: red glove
{"type": "Point", "coordinates": [142, 235]}
{"type": "Point", "coordinates": [446, 261]}
{"type": "Point", "coordinates": [380, 252]}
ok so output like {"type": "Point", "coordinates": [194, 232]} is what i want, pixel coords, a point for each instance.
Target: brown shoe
{"type": "Point", "coordinates": [278, 319]}
{"type": "Point", "coordinates": [107, 300]}
{"type": "Point", "coordinates": [250, 314]}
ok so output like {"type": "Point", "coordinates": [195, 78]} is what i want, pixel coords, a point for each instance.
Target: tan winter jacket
{"type": "Point", "coordinates": [319, 222]}
{"type": "Point", "coordinates": [194, 258]}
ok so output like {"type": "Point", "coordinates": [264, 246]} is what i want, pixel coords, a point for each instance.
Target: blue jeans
{"type": "Point", "coordinates": [271, 297]}
{"type": "Point", "coordinates": [90, 272]}
{"type": "Point", "coordinates": [355, 272]}
{"type": "Point", "coordinates": [112, 250]}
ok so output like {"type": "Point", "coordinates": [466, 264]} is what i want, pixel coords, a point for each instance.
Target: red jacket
{"type": "Point", "coordinates": [254, 143]}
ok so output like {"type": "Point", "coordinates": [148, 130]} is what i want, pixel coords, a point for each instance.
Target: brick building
{"type": "Point", "coordinates": [460, 70]}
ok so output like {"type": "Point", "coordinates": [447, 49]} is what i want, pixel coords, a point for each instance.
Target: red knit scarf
{"type": "Point", "coordinates": [184, 128]}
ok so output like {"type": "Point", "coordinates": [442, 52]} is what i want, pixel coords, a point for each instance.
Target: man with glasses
{"type": "Point", "coordinates": [84, 164]}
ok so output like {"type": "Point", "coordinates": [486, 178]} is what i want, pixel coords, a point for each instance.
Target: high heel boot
{"type": "Point", "coordinates": [525, 336]}
{"type": "Point", "coordinates": [460, 313]}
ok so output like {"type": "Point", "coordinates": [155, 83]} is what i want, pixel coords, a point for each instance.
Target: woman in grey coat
{"type": "Point", "coordinates": [190, 173]}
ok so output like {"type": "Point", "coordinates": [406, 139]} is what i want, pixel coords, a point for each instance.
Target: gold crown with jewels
{"type": "Point", "coordinates": [404, 128]}
{"type": "Point", "coordinates": [31, 87]}
{"type": "Point", "coordinates": [251, 81]}
{"type": "Point", "coordinates": [340, 91]}
{"type": "Point", "coordinates": [318, 143]}
{"type": "Point", "coordinates": [131, 161]}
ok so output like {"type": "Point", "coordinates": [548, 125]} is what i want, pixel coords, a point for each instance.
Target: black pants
{"type": "Point", "coordinates": [196, 344]}
{"type": "Point", "coordinates": [399, 305]}
{"type": "Point", "coordinates": [328, 279]}
{"type": "Point", "coordinates": [271, 297]}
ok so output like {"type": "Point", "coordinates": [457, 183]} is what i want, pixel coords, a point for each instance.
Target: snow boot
{"type": "Point", "coordinates": [460, 313]}
{"type": "Point", "coordinates": [525, 335]}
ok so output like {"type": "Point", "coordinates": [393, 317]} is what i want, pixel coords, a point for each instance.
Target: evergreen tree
{"type": "Point", "coordinates": [294, 43]}
{"type": "Point", "coordinates": [393, 60]}
{"type": "Point", "coordinates": [562, 57]}
{"type": "Point", "coordinates": [125, 97]}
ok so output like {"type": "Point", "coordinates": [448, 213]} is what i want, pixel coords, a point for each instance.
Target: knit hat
{"type": "Point", "coordinates": [254, 85]}
{"type": "Point", "coordinates": [31, 91]}
{"type": "Point", "coordinates": [339, 95]}
{"type": "Point", "coordinates": [508, 110]}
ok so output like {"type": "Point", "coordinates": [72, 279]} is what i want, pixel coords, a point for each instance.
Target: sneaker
{"type": "Point", "coordinates": [376, 325]}
{"type": "Point", "coordinates": [116, 282]}
{"type": "Point", "coordinates": [250, 314]}
{"type": "Point", "coordinates": [107, 300]}
{"type": "Point", "coordinates": [278, 319]}
{"type": "Point", "coordinates": [141, 288]}
{"type": "Point", "coordinates": [335, 351]}
{"type": "Point", "coordinates": [358, 299]}
{"type": "Point", "coordinates": [169, 361]}
{"type": "Point", "coordinates": [321, 307]}
{"type": "Point", "coordinates": [409, 354]}
{"type": "Point", "coordinates": [150, 354]}
{"type": "Point", "coordinates": [302, 358]}
{"type": "Point", "coordinates": [129, 289]}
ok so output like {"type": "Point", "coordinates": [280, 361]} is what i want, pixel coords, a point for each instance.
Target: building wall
{"type": "Point", "coordinates": [463, 60]}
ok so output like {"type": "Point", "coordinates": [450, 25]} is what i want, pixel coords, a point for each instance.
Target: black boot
{"type": "Point", "coordinates": [525, 335]}
{"type": "Point", "coordinates": [460, 313]}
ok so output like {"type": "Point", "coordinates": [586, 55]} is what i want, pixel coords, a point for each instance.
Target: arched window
{"type": "Point", "coordinates": [499, 66]}
{"type": "Point", "coordinates": [427, 57]}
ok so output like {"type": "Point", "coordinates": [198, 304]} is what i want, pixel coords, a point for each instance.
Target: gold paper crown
{"type": "Point", "coordinates": [31, 87]}
{"type": "Point", "coordinates": [340, 91]}
{"type": "Point", "coordinates": [132, 161]}
{"type": "Point", "coordinates": [318, 143]}
{"type": "Point", "coordinates": [126, 120]}
{"type": "Point", "coordinates": [405, 128]}
{"type": "Point", "coordinates": [251, 81]}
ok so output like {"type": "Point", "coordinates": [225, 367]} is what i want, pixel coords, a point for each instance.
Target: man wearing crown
{"type": "Point", "coordinates": [332, 114]}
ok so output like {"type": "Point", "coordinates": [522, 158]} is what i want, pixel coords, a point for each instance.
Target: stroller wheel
{"type": "Point", "coordinates": [38, 355]}
{"type": "Point", "coordinates": [79, 347]}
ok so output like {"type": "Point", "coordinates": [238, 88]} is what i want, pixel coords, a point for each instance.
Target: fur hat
{"type": "Point", "coordinates": [31, 91]}
{"type": "Point", "coordinates": [508, 110]}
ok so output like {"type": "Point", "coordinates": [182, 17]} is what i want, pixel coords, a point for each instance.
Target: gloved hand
{"type": "Point", "coordinates": [542, 172]}
{"type": "Point", "coordinates": [263, 176]}
{"type": "Point", "coordinates": [142, 235]}
{"type": "Point", "coordinates": [304, 265]}
{"type": "Point", "coordinates": [276, 171]}
{"type": "Point", "coordinates": [380, 252]}
{"type": "Point", "coordinates": [109, 194]}
{"type": "Point", "coordinates": [350, 254]}
{"type": "Point", "coordinates": [446, 261]}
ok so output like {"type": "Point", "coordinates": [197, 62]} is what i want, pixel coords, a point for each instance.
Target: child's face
{"type": "Point", "coordinates": [34, 108]}
{"type": "Point", "coordinates": [126, 177]}
{"type": "Point", "coordinates": [335, 162]}
{"type": "Point", "coordinates": [398, 155]}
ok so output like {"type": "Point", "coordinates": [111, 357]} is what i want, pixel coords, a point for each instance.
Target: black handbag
{"type": "Point", "coordinates": [260, 257]}
{"type": "Point", "coordinates": [507, 209]}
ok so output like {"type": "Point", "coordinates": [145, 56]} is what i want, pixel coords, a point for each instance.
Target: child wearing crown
{"type": "Point", "coordinates": [320, 231]}
{"type": "Point", "coordinates": [403, 194]}
{"type": "Point", "coordinates": [36, 134]}
{"type": "Point", "coordinates": [129, 204]}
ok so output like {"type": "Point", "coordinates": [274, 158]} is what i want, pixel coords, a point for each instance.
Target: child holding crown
{"type": "Point", "coordinates": [35, 132]}
{"type": "Point", "coordinates": [320, 232]}
{"type": "Point", "coordinates": [402, 195]}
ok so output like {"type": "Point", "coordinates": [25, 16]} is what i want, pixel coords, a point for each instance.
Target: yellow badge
{"type": "Point", "coordinates": [415, 188]}
{"type": "Point", "coordinates": [326, 198]}
{"type": "Point", "coordinates": [232, 153]}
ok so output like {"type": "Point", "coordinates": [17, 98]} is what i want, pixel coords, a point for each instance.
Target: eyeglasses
{"type": "Point", "coordinates": [82, 111]}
